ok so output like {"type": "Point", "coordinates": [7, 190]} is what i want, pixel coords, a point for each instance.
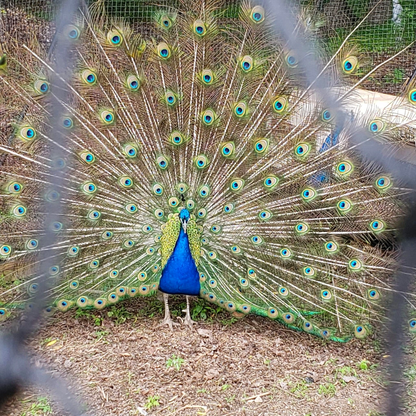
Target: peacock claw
{"type": "Point", "coordinates": [168, 322]}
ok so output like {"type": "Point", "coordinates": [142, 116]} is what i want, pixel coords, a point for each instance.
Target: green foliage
{"type": "Point", "coordinates": [87, 314]}
{"type": "Point", "coordinates": [152, 402]}
{"type": "Point", "coordinates": [410, 373]}
{"type": "Point", "coordinates": [327, 389]}
{"type": "Point", "coordinates": [40, 408]}
{"type": "Point", "coordinates": [363, 365]}
{"type": "Point", "coordinates": [299, 388]}
{"type": "Point", "coordinates": [119, 314]}
{"type": "Point", "coordinates": [204, 311]}
{"type": "Point", "coordinates": [175, 362]}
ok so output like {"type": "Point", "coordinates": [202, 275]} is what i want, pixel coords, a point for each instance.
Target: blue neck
{"type": "Point", "coordinates": [180, 275]}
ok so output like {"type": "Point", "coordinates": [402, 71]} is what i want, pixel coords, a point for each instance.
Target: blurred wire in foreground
{"type": "Point", "coordinates": [382, 154]}
{"type": "Point", "coordinates": [15, 368]}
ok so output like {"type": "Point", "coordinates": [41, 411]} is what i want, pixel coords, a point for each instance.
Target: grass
{"type": "Point", "coordinates": [40, 408]}
{"type": "Point", "coordinates": [327, 389]}
{"type": "Point", "coordinates": [152, 402]}
{"type": "Point", "coordinates": [299, 389]}
{"type": "Point", "coordinates": [175, 362]}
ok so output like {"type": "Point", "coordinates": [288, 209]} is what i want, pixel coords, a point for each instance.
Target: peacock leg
{"type": "Point", "coordinates": [188, 320]}
{"type": "Point", "coordinates": [167, 320]}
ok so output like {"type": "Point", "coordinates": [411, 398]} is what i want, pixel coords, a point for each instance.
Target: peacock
{"type": "Point", "coordinates": [197, 162]}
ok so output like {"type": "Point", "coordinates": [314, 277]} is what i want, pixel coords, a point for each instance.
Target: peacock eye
{"type": "Point", "coordinates": [173, 202]}
{"type": "Point", "coordinates": [301, 228]}
{"type": "Point", "coordinates": [157, 189]}
{"type": "Point", "coordinates": [199, 28]}
{"type": "Point", "coordinates": [159, 213]}
{"type": "Point", "coordinates": [377, 226]}
{"type": "Point", "coordinates": [126, 182]}
{"type": "Point", "coordinates": [261, 146]}
{"type": "Point", "coordinates": [5, 250]}
{"type": "Point", "coordinates": [344, 168]}
{"type": "Point", "coordinates": [229, 208]}
{"type": "Point", "coordinates": [412, 96]}
{"type": "Point", "coordinates": [204, 191]}
{"type": "Point", "coordinates": [94, 215]}
{"type": "Point", "coordinates": [349, 65]}
{"type": "Point", "coordinates": [73, 251]}
{"type": "Point", "coordinates": [280, 104]}
{"type": "Point", "coordinates": [285, 252]}
{"type": "Point", "coordinates": [326, 295]}
{"type": "Point", "coordinates": [57, 226]}
{"type": "Point", "coordinates": [383, 183]}
{"type": "Point", "coordinates": [208, 117]}
{"type": "Point", "coordinates": [331, 246]}
{"type": "Point", "coordinates": [72, 32]}
{"type": "Point", "coordinates": [344, 206]}
{"type": "Point", "coordinates": [377, 126]}
{"type": "Point", "coordinates": [237, 184]}
{"type": "Point", "coordinates": [360, 331]}
{"type": "Point", "coordinates": [202, 213]}
{"type": "Point", "coordinates": [308, 194]}
{"type": "Point", "coordinates": [190, 204]}
{"type": "Point", "coordinates": [327, 115]}
{"type": "Point", "coordinates": [19, 211]}
{"type": "Point", "coordinates": [302, 150]}
{"type": "Point", "coordinates": [32, 244]}
{"type": "Point", "coordinates": [240, 109]}
{"type": "Point", "coordinates": [115, 37]}
{"type": "Point", "coordinates": [170, 98]}
{"type": "Point", "coordinates": [128, 244]}
{"type": "Point", "coordinates": [89, 188]}
{"type": "Point", "coordinates": [67, 123]}
{"type": "Point", "coordinates": [94, 264]}
{"type": "Point", "coordinates": [247, 63]}
{"type": "Point", "coordinates": [257, 14]}
{"type": "Point", "coordinates": [227, 149]}
{"type": "Point", "coordinates": [163, 51]}
{"type": "Point", "coordinates": [87, 157]}
{"type": "Point", "coordinates": [54, 270]}
{"type": "Point", "coordinates": [291, 60]}
{"type": "Point", "coordinates": [251, 273]}
{"type": "Point", "coordinates": [107, 117]}
{"type": "Point", "coordinates": [265, 215]}
{"type": "Point", "coordinates": [309, 271]}
{"type": "Point", "coordinates": [131, 208]}
{"type": "Point", "coordinates": [207, 77]}
{"type": "Point", "coordinates": [41, 86]}
{"type": "Point", "coordinates": [15, 187]}
{"type": "Point", "coordinates": [162, 162]}
{"type": "Point", "coordinates": [256, 240]}
{"type": "Point", "coordinates": [89, 77]}
{"type": "Point", "coordinates": [201, 162]}
{"type": "Point", "coordinates": [27, 133]}
{"type": "Point", "coordinates": [107, 235]}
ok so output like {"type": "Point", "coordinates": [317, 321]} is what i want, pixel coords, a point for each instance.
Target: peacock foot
{"type": "Point", "coordinates": [188, 321]}
{"type": "Point", "coordinates": [168, 321]}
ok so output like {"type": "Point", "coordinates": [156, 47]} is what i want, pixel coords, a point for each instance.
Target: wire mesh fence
{"type": "Point", "coordinates": [388, 27]}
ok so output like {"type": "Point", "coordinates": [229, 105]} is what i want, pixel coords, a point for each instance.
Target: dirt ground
{"type": "Point", "coordinates": [118, 363]}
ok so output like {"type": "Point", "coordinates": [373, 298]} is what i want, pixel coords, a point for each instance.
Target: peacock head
{"type": "Point", "coordinates": [184, 216]}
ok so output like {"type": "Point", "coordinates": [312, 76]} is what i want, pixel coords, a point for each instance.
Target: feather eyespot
{"type": "Point", "coordinates": [261, 146]}
{"type": "Point", "coordinates": [360, 331]}
{"type": "Point", "coordinates": [164, 51]}
{"type": "Point", "coordinates": [247, 63]}
{"type": "Point", "coordinates": [87, 157]}
{"type": "Point", "coordinates": [133, 83]}
{"type": "Point", "coordinates": [308, 194]}
{"type": "Point", "coordinates": [383, 183]}
{"type": "Point", "coordinates": [309, 271]}
{"type": "Point", "coordinates": [229, 208]}
{"type": "Point", "coordinates": [5, 250]}
{"type": "Point", "coordinates": [89, 77]}
{"type": "Point", "coordinates": [32, 244]}
{"type": "Point", "coordinates": [176, 138]}
{"type": "Point", "coordinates": [349, 65]}
{"type": "Point", "coordinates": [201, 161]}
{"type": "Point", "coordinates": [373, 294]}
{"type": "Point", "coordinates": [291, 60]}
{"type": "Point", "coordinates": [273, 313]}
{"type": "Point", "coordinates": [301, 228]}
{"type": "Point", "coordinates": [41, 86]}
{"type": "Point", "coordinates": [302, 150]}
{"type": "Point", "coordinates": [107, 235]}
{"type": "Point", "coordinates": [115, 37]}
{"type": "Point", "coordinates": [355, 265]}
{"type": "Point", "coordinates": [89, 188]}
{"type": "Point", "coordinates": [15, 187]}
{"type": "Point", "coordinates": [173, 202]}
{"type": "Point", "coordinates": [207, 77]}
{"type": "Point", "coordinates": [27, 133]}
{"type": "Point", "coordinates": [377, 126]}
{"type": "Point", "coordinates": [265, 215]}
{"type": "Point", "coordinates": [412, 96]}
{"type": "Point", "coordinates": [204, 191]}
{"type": "Point", "coordinates": [331, 247]}
{"type": "Point", "coordinates": [240, 109]}
{"type": "Point", "coordinates": [285, 253]}
{"type": "Point", "coordinates": [190, 204]}
{"type": "Point", "coordinates": [126, 182]}
{"type": "Point", "coordinates": [228, 149]}
{"type": "Point", "coordinates": [128, 244]}
{"type": "Point", "coordinates": [288, 317]}
{"type": "Point", "coordinates": [199, 28]}
{"type": "Point", "coordinates": [209, 117]}
{"type": "Point", "coordinates": [67, 123]}
{"type": "Point", "coordinates": [94, 215]}
{"type": "Point", "coordinates": [327, 115]}
{"type": "Point", "coordinates": [202, 213]}
{"type": "Point", "coordinates": [237, 184]}
{"type": "Point", "coordinates": [280, 105]}
{"type": "Point", "coordinates": [19, 211]}
{"type": "Point", "coordinates": [72, 32]}
{"type": "Point", "coordinates": [344, 206]}
{"type": "Point", "coordinates": [159, 213]}
{"type": "Point", "coordinates": [326, 295]}
{"type": "Point", "coordinates": [257, 14]}
{"type": "Point", "coordinates": [344, 168]}
{"type": "Point", "coordinates": [256, 240]}
{"type": "Point", "coordinates": [94, 264]}
{"type": "Point", "coordinates": [131, 208]}
{"type": "Point", "coordinates": [377, 226]}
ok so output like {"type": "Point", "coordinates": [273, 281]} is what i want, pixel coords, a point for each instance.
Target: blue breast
{"type": "Point", "coordinates": [180, 275]}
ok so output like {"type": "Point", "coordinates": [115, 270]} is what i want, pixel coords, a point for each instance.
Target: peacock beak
{"type": "Point", "coordinates": [184, 223]}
